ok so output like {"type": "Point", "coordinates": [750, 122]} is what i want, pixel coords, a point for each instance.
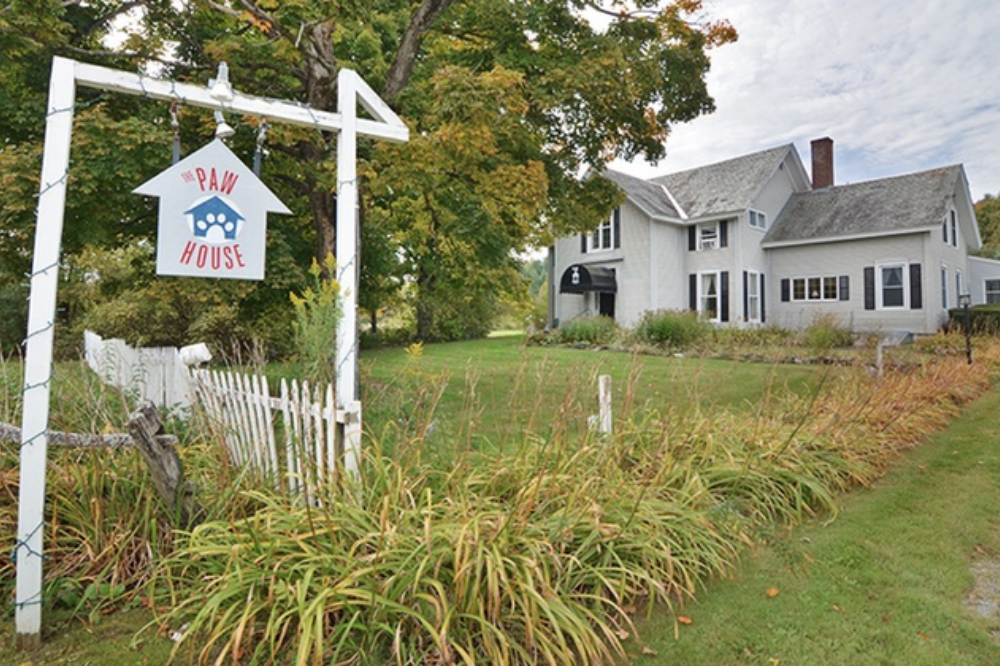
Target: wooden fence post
{"type": "Point", "coordinates": [604, 397]}
{"type": "Point", "coordinates": [164, 464]}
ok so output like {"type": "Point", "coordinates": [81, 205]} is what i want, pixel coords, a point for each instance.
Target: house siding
{"type": "Point", "coordinates": [751, 256]}
{"type": "Point", "coordinates": [630, 262]}
{"type": "Point", "coordinates": [850, 258]}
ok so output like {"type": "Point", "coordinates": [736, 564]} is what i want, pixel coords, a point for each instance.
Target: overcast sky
{"type": "Point", "coordinates": [899, 85]}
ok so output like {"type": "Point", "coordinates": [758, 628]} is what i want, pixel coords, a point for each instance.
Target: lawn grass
{"type": "Point", "coordinates": [533, 385]}
{"type": "Point", "coordinates": [883, 583]}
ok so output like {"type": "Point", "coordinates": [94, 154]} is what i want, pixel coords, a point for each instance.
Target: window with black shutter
{"type": "Point", "coordinates": [724, 296]}
{"type": "Point", "coordinates": [869, 274]}
{"type": "Point", "coordinates": [845, 287]}
{"type": "Point", "coordinates": [916, 288]}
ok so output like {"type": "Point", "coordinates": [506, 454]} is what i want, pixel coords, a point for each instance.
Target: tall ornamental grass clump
{"type": "Point", "coordinates": [547, 553]}
{"type": "Point", "coordinates": [672, 328]}
{"type": "Point", "coordinates": [825, 332]}
{"type": "Point", "coordinates": [588, 330]}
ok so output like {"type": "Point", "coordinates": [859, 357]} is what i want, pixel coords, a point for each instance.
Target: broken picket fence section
{"type": "Point", "coordinates": [295, 440]}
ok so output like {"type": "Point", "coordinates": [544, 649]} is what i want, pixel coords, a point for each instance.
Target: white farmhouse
{"type": "Point", "coordinates": [753, 240]}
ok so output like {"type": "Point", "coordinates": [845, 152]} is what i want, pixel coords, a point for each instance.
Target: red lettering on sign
{"type": "Point", "coordinates": [188, 252]}
{"type": "Point", "coordinates": [214, 257]}
{"type": "Point", "coordinates": [202, 258]}
{"type": "Point", "coordinates": [239, 256]}
{"type": "Point", "coordinates": [209, 180]}
{"type": "Point", "coordinates": [229, 182]}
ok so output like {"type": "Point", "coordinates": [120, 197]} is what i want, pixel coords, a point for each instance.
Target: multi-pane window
{"type": "Point", "coordinates": [753, 296]}
{"type": "Point", "coordinates": [758, 220]}
{"type": "Point", "coordinates": [822, 288]}
{"type": "Point", "coordinates": [959, 284]}
{"type": "Point", "coordinates": [708, 290]}
{"type": "Point", "coordinates": [993, 291]}
{"type": "Point", "coordinates": [708, 236]}
{"type": "Point", "coordinates": [953, 225]}
{"type": "Point", "coordinates": [603, 238]}
{"type": "Point", "coordinates": [892, 287]}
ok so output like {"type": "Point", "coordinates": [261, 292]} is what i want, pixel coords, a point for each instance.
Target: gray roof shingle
{"type": "Point", "coordinates": [895, 204]}
{"type": "Point", "coordinates": [648, 196]}
{"type": "Point", "coordinates": [726, 186]}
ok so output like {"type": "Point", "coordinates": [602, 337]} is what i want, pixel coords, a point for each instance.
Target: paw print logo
{"type": "Point", "coordinates": [215, 219]}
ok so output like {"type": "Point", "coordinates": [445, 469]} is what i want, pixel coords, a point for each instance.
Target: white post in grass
{"type": "Point", "coordinates": [347, 265]}
{"type": "Point", "coordinates": [66, 74]}
{"type": "Point", "coordinates": [604, 398]}
{"type": "Point", "coordinates": [38, 353]}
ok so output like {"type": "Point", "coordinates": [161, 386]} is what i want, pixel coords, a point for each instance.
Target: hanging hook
{"type": "Point", "coordinates": [259, 152]}
{"type": "Point", "coordinates": [175, 124]}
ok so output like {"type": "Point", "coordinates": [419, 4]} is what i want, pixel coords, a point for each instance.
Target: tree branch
{"type": "Point", "coordinates": [409, 46]}
{"type": "Point", "coordinates": [11, 433]}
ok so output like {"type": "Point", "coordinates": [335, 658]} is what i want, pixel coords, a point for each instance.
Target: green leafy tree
{"type": "Point", "coordinates": [988, 217]}
{"type": "Point", "coordinates": [508, 101]}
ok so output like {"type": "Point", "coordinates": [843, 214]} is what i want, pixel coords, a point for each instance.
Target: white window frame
{"type": "Point", "coordinates": [703, 297]}
{"type": "Point", "coordinates": [880, 285]}
{"type": "Point", "coordinates": [753, 299]}
{"type": "Point", "coordinates": [959, 285]}
{"type": "Point", "coordinates": [807, 293]}
{"type": "Point", "coordinates": [953, 226]}
{"type": "Point", "coordinates": [944, 287]}
{"type": "Point", "coordinates": [595, 240]}
{"type": "Point", "coordinates": [757, 219]}
{"type": "Point", "coordinates": [708, 236]}
{"type": "Point", "coordinates": [995, 292]}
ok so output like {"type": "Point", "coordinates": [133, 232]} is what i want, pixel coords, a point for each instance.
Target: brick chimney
{"type": "Point", "coordinates": [822, 159]}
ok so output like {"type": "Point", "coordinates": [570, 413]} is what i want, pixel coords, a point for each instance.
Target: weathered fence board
{"type": "Point", "coordinates": [295, 439]}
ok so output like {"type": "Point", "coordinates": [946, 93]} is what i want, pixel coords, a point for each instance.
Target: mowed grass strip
{"type": "Point", "coordinates": [884, 583]}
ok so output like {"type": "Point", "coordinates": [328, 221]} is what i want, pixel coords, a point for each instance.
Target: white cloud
{"type": "Point", "coordinates": [900, 87]}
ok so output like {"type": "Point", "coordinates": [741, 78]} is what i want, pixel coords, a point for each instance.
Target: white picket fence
{"type": "Point", "coordinates": [297, 440]}
{"type": "Point", "coordinates": [157, 374]}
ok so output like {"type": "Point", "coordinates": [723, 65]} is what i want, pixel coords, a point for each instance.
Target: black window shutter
{"type": "Point", "coordinates": [746, 296]}
{"type": "Point", "coordinates": [916, 288]}
{"type": "Point", "coordinates": [618, 227]}
{"type": "Point", "coordinates": [693, 291]}
{"type": "Point", "coordinates": [869, 287]}
{"type": "Point", "coordinates": [845, 287]}
{"type": "Point", "coordinates": [583, 243]}
{"type": "Point", "coordinates": [724, 296]}
{"type": "Point", "coordinates": [724, 233]}
{"type": "Point", "coordinates": [692, 239]}
{"type": "Point", "coordinates": [762, 309]}
{"type": "Point", "coordinates": [786, 290]}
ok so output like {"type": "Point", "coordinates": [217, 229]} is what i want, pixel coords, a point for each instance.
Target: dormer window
{"type": "Point", "coordinates": [758, 220]}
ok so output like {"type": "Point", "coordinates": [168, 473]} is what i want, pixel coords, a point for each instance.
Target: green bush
{"type": "Point", "coordinates": [590, 330]}
{"type": "Point", "coordinates": [826, 332]}
{"type": "Point", "coordinates": [982, 319]}
{"type": "Point", "coordinates": [672, 328]}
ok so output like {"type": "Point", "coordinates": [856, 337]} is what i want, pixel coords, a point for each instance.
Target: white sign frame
{"type": "Point", "coordinates": [66, 74]}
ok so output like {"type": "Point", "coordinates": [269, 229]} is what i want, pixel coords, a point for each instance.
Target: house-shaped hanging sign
{"type": "Point", "coordinates": [213, 216]}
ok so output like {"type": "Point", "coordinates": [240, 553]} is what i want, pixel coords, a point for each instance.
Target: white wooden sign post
{"type": "Point", "coordinates": [66, 74]}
